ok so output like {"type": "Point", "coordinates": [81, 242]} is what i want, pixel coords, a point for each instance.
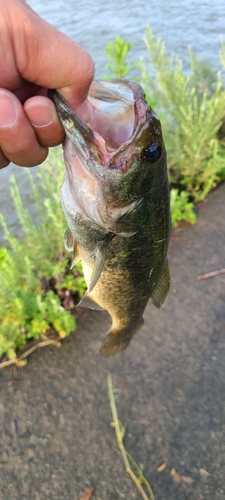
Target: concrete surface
{"type": "Point", "coordinates": [56, 438]}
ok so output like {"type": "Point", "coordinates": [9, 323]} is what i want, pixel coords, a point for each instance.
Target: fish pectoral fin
{"type": "Point", "coordinates": [100, 253]}
{"type": "Point", "coordinates": [117, 340]}
{"type": "Point", "coordinates": [162, 287]}
{"type": "Point", "coordinates": [68, 240]}
{"type": "Point", "coordinates": [87, 301]}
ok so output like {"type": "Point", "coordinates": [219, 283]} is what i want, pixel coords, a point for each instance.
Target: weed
{"type": "Point", "coordinates": [35, 275]}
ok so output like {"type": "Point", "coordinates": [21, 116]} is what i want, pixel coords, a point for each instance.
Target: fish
{"type": "Point", "coordinates": [116, 201]}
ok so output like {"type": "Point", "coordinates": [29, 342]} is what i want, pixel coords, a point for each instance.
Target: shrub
{"type": "Point", "coordinates": [191, 108]}
{"type": "Point", "coordinates": [181, 207]}
{"type": "Point", "coordinates": [37, 287]}
{"type": "Point", "coordinates": [117, 52]}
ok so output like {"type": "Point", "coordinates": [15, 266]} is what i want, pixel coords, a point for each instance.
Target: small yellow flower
{"type": "Point", "coordinates": [62, 334]}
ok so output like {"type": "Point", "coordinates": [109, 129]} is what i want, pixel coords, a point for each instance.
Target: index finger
{"type": "Point", "coordinates": [48, 58]}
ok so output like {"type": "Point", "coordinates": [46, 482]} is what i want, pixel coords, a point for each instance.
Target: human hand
{"type": "Point", "coordinates": [35, 56]}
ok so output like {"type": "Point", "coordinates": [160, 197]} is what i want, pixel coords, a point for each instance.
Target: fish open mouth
{"type": "Point", "coordinates": [111, 113]}
{"type": "Point", "coordinates": [107, 123]}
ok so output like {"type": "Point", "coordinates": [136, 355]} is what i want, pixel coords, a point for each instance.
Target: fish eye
{"type": "Point", "coordinates": [153, 152]}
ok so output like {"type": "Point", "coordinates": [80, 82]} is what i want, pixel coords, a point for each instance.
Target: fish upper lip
{"type": "Point", "coordinates": [66, 114]}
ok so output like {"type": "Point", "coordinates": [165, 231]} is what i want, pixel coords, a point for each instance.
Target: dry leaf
{"type": "Point", "coordinates": [162, 467]}
{"type": "Point", "coordinates": [88, 494]}
{"type": "Point", "coordinates": [187, 479]}
{"type": "Point", "coordinates": [20, 362]}
{"type": "Point", "coordinates": [177, 476]}
{"type": "Point", "coordinates": [204, 473]}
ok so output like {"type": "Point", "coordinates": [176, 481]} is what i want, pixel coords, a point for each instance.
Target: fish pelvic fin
{"type": "Point", "coordinates": [87, 301]}
{"type": "Point", "coordinates": [162, 287]}
{"type": "Point", "coordinates": [117, 340]}
{"type": "Point", "coordinates": [100, 253]}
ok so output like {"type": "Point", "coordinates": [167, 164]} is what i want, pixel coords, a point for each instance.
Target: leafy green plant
{"type": "Point", "coordinates": [191, 107]}
{"type": "Point", "coordinates": [26, 312]}
{"type": "Point", "coordinates": [75, 285]}
{"type": "Point", "coordinates": [181, 207]}
{"type": "Point", "coordinates": [117, 53]}
{"type": "Point", "coordinates": [35, 275]}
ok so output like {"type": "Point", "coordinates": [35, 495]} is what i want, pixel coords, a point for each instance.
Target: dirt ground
{"type": "Point", "coordinates": [56, 438]}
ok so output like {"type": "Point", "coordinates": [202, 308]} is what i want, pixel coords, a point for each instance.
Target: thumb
{"type": "Point", "coordinates": [48, 58]}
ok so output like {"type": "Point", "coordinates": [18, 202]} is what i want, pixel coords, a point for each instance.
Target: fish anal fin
{"type": "Point", "coordinates": [100, 253]}
{"type": "Point", "coordinates": [117, 340]}
{"type": "Point", "coordinates": [87, 301]}
{"type": "Point", "coordinates": [162, 287]}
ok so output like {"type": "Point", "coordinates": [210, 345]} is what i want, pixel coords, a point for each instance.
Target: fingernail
{"type": "Point", "coordinates": [39, 115]}
{"type": "Point", "coordinates": [8, 111]}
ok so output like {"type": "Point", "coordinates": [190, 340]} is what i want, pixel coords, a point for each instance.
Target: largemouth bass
{"type": "Point", "coordinates": [116, 202]}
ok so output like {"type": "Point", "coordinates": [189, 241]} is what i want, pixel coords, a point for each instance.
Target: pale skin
{"type": "Point", "coordinates": [35, 56]}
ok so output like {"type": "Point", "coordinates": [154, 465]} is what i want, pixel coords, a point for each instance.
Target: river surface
{"type": "Point", "coordinates": [183, 24]}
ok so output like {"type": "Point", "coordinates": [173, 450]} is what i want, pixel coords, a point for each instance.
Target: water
{"type": "Point", "coordinates": [183, 24]}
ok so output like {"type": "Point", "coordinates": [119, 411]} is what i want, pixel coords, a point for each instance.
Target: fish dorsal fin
{"type": "Point", "coordinates": [161, 289]}
{"type": "Point", "coordinates": [100, 253]}
{"type": "Point", "coordinates": [68, 240]}
{"type": "Point", "coordinates": [87, 301]}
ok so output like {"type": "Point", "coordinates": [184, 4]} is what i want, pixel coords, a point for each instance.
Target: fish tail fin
{"type": "Point", "coordinates": [118, 340]}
